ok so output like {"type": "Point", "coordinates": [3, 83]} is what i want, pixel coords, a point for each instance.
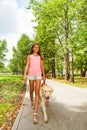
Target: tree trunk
{"type": "Point", "coordinates": [22, 67]}
{"type": "Point", "coordinates": [83, 73]}
{"type": "Point", "coordinates": [72, 73]}
{"type": "Point", "coordinates": [53, 69]}
{"type": "Point", "coordinates": [67, 66]}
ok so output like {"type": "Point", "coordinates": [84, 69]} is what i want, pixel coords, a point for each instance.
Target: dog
{"type": "Point", "coordinates": [45, 93]}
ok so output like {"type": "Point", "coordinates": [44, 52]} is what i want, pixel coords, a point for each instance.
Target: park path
{"type": "Point", "coordinates": [67, 110]}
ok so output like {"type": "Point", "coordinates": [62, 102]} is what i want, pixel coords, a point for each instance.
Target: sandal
{"type": "Point", "coordinates": [32, 105]}
{"type": "Point", "coordinates": [35, 118]}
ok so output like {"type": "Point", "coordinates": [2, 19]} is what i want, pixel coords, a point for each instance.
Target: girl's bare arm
{"type": "Point", "coordinates": [42, 68]}
{"type": "Point", "coordinates": [27, 66]}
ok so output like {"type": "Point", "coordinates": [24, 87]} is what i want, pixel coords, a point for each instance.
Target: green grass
{"type": "Point", "coordinates": [80, 82]}
{"type": "Point", "coordinates": [10, 87]}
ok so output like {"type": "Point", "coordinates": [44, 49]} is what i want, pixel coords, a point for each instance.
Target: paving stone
{"type": "Point", "coordinates": [27, 125]}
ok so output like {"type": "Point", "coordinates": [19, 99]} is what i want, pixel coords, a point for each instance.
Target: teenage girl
{"type": "Point", "coordinates": [35, 70]}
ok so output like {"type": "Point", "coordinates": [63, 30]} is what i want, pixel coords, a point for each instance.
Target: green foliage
{"type": "Point", "coordinates": [65, 22]}
{"type": "Point", "coordinates": [1, 65]}
{"type": "Point", "coordinates": [18, 62]}
{"type": "Point", "coordinates": [81, 34]}
{"type": "Point", "coordinates": [3, 50]}
{"type": "Point", "coordinates": [10, 87]}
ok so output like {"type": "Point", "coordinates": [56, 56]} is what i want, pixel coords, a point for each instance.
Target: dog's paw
{"type": "Point", "coordinates": [45, 120]}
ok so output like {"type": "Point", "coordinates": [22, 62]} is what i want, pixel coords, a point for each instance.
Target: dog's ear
{"type": "Point", "coordinates": [52, 90]}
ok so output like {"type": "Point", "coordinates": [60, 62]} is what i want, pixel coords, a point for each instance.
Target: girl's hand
{"type": "Point", "coordinates": [44, 78]}
{"type": "Point", "coordinates": [25, 78]}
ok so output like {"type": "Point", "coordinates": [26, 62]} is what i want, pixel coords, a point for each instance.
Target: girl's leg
{"type": "Point", "coordinates": [37, 94]}
{"type": "Point", "coordinates": [31, 82]}
{"type": "Point", "coordinates": [37, 90]}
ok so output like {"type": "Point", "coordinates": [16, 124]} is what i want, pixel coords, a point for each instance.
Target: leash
{"type": "Point", "coordinates": [43, 83]}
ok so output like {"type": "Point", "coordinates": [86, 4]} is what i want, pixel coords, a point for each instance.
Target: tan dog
{"type": "Point", "coordinates": [45, 93]}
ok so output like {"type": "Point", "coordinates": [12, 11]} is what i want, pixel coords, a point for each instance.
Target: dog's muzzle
{"type": "Point", "coordinates": [47, 100]}
{"type": "Point", "coordinates": [47, 97]}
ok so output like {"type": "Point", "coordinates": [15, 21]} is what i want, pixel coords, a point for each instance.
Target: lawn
{"type": "Point", "coordinates": [12, 90]}
{"type": "Point", "coordinates": [80, 82]}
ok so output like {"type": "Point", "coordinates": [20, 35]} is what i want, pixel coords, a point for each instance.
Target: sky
{"type": "Point", "coordinates": [15, 20]}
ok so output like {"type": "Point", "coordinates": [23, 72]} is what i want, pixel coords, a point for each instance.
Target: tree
{"type": "Point", "coordinates": [81, 33]}
{"type": "Point", "coordinates": [56, 19]}
{"type": "Point", "coordinates": [3, 50]}
{"type": "Point", "coordinates": [1, 65]}
{"type": "Point", "coordinates": [18, 62]}
{"type": "Point", "coordinates": [14, 62]}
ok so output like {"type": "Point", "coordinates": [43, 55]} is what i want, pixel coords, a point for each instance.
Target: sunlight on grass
{"type": "Point", "coordinates": [79, 82]}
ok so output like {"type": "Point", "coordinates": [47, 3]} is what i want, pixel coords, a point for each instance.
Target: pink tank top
{"type": "Point", "coordinates": [35, 66]}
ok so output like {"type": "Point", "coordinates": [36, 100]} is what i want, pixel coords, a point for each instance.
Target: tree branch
{"type": "Point", "coordinates": [61, 44]}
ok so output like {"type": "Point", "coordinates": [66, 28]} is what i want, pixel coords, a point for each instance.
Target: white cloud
{"type": "Point", "coordinates": [8, 16]}
{"type": "Point", "coordinates": [24, 19]}
{"type": "Point", "coordinates": [13, 22]}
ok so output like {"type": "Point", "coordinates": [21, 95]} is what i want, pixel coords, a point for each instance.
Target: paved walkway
{"type": "Point", "coordinates": [67, 110]}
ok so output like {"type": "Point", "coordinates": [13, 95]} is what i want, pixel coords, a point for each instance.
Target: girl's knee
{"type": "Point", "coordinates": [31, 91]}
{"type": "Point", "coordinates": [37, 94]}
